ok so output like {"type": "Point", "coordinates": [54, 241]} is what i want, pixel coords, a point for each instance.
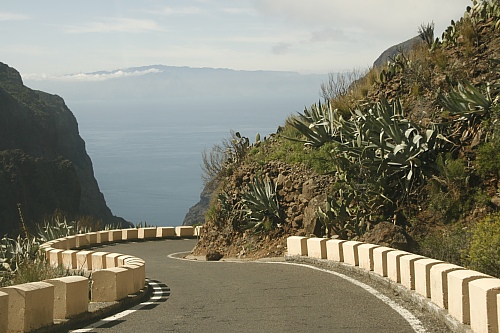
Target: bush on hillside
{"type": "Point", "coordinates": [484, 251]}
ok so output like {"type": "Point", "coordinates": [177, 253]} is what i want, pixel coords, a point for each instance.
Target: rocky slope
{"type": "Point", "coordinates": [43, 163]}
{"type": "Point", "coordinates": [436, 215]}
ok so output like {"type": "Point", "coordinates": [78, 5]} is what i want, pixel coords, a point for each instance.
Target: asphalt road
{"type": "Point", "coordinates": [250, 297]}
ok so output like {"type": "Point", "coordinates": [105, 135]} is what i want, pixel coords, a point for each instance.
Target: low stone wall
{"type": "Point", "coordinates": [114, 276]}
{"type": "Point", "coordinates": [470, 297]}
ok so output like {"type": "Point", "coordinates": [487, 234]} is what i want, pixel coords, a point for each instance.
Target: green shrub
{"type": "Point", "coordinates": [448, 245]}
{"type": "Point", "coordinates": [488, 159]}
{"type": "Point", "coordinates": [484, 250]}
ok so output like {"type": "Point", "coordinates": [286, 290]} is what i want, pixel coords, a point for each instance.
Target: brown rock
{"type": "Point", "coordinates": [213, 255]}
{"type": "Point", "coordinates": [311, 222]}
{"type": "Point", "coordinates": [388, 234]}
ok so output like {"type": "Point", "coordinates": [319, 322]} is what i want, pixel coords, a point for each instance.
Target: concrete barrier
{"type": "Point", "coordinates": [423, 276]}
{"type": "Point", "coordinates": [184, 231]}
{"type": "Point", "coordinates": [498, 311]}
{"type": "Point", "coordinates": [458, 297]}
{"type": "Point", "coordinates": [109, 285]}
{"type": "Point", "coordinates": [112, 260]}
{"type": "Point", "coordinates": [165, 232]}
{"type": "Point", "coordinates": [69, 259]}
{"type": "Point", "coordinates": [84, 260]}
{"type": "Point", "coordinates": [469, 296]}
{"type": "Point", "coordinates": [296, 246]}
{"type": "Point", "coordinates": [483, 294]}
{"type": "Point", "coordinates": [71, 242]}
{"type": "Point", "coordinates": [439, 283]}
{"type": "Point", "coordinates": [4, 311]}
{"type": "Point", "coordinates": [380, 260]}
{"type": "Point", "coordinates": [135, 279]}
{"type": "Point", "coordinates": [103, 237]}
{"type": "Point", "coordinates": [70, 296]}
{"type": "Point", "coordinates": [407, 270]}
{"type": "Point", "coordinates": [115, 235]}
{"type": "Point", "coordinates": [31, 306]}
{"type": "Point", "coordinates": [91, 238]}
{"type": "Point", "coordinates": [61, 243]}
{"type": "Point", "coordinates": [334, 250]}
{"type": "Point", "coordinates": [99, 260]}
{"type": "Point", "coordinates": [394, 266]}
{"type": "Point", "coordinates": [130, 234]}
{"type": "Point", "coordinates": [121, 259]}
{"type": "Point", "coordinates": [147, 233]}
{"type": "Point", "coordinates": [316, 248]}
{"type": "Point", "coordinates": [351, 255]}
{"type": "Point", "coordinates": [365, 254]}
{"type": "Point", "coordinates": [55, 257]}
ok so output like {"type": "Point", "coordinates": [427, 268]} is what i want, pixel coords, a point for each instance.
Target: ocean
{"type": "Point", "coordinates": [147, 154]}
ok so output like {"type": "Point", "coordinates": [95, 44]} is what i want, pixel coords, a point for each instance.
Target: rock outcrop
{"type": "Point", "coordinates": [44, 166]}
{"type": "Point", "coordinates": [394, 50]}
{"type": "Point", "coordinates": [196, 214]}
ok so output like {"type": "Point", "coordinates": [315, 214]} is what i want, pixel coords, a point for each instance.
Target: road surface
{"type": "Point", "coordinates": [260, 297]}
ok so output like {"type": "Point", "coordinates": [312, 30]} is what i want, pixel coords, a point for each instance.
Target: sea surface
{"type": "Point", "coordinates": [147, 154]}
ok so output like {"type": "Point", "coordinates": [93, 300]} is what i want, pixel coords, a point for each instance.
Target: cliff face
{"type": "Point", "coordinates": [43, 162]}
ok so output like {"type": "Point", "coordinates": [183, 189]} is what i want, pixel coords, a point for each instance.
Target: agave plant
{"type": "Point", "coordinates": [467, 100]}
{"type": "Point", "coordinates": [377, 138]}
{"type": "Point", "coordinates": [55, 228]}
{"type": "Point", "coordinates": [261, 203]}
{"type": "Point", "coordinates": [15, 252]}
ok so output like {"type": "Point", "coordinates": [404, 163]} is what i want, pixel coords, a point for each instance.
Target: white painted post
{"type": "Point", "coordinates": [296, 246]}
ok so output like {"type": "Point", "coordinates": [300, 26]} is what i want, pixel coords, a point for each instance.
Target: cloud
{"type": "Point", "coordinates": [327, 34]}
{"type": "Point", "coordinates": [117, 25]}
{"type": "Point", "coordinates": [281, 48]}
{"type": "Point", "coordinates": [179, 10]}
{"type": "Point", "coordinates": [101, 76]}
{"type": "Point", "coordinates": [364, 17]}
{"type": "Point", "coordinates": [239, 11]}
{"type": "Point", "coordinates": [6, 16]}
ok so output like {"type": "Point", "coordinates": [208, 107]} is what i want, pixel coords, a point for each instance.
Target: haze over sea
{"type": "Point", "coordinates": [146, 147]}
{"type": "Point", "coordinates": [147, 154]}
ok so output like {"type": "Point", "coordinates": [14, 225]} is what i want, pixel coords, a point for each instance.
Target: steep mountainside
{"type": "Point", "coordinates": [43, 163]}
{"type": "Point", "coordinates": [408, 157]}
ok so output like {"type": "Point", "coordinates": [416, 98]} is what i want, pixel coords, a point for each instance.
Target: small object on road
{"type": "Point", "coordinates": [213, 255]}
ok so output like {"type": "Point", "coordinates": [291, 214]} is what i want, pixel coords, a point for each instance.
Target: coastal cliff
{"type": "Point", "coordinates": [44, 166]}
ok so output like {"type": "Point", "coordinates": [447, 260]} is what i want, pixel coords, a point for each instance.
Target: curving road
{"type": "Point", "coordinates": [250, 297]}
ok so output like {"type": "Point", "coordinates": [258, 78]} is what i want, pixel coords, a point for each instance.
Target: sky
{"type": "Point", "coordinates": [44, 39]}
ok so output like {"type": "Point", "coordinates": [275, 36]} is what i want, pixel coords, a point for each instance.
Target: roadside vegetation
{"type": "Point", "coordinates": [21, 260]}
{"type": "Point", "coordinates": [415, 143]}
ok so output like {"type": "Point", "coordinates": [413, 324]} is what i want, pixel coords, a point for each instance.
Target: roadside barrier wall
{"type": "Point", "coordinates": [470, 297]}
{"type": "Point", "coordinates": [113, 276]}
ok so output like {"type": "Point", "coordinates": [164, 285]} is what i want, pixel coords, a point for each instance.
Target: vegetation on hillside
{"type": "Point", "coordinates": [21, 259]}
{"type": "Point", "coordinates": [415, 143]}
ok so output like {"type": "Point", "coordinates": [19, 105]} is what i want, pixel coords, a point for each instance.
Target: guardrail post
{"type": "Point", "coordinates": [164, 232]}
{"type": "Point", "coordinates": [296, 246]}
{"type": "Point", "coordinates": [184, 231]}
{"type": "Point", "coordinates": [31, 306]}
{"type": "Point", "coordinates": [109, 285]}
{"type": "Point", "coordinates": [316, 248]}
{"type": "Point", "coordinates": [71, 296]}
{"type": "Point", "coordinates": [458, 297]}
{"type": "Point", "coordinates": [351, 255]}
{"type": "Point", "coordinates": [439, 283]}
{"type": "Point", "coordinates": [483, 295]}
{"type": "Point", "coordinates": [365, 254]}
{"type": "Point", "coordinates": [407, 268]}
{"type": "Point", "coordinates": [4, 311]}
